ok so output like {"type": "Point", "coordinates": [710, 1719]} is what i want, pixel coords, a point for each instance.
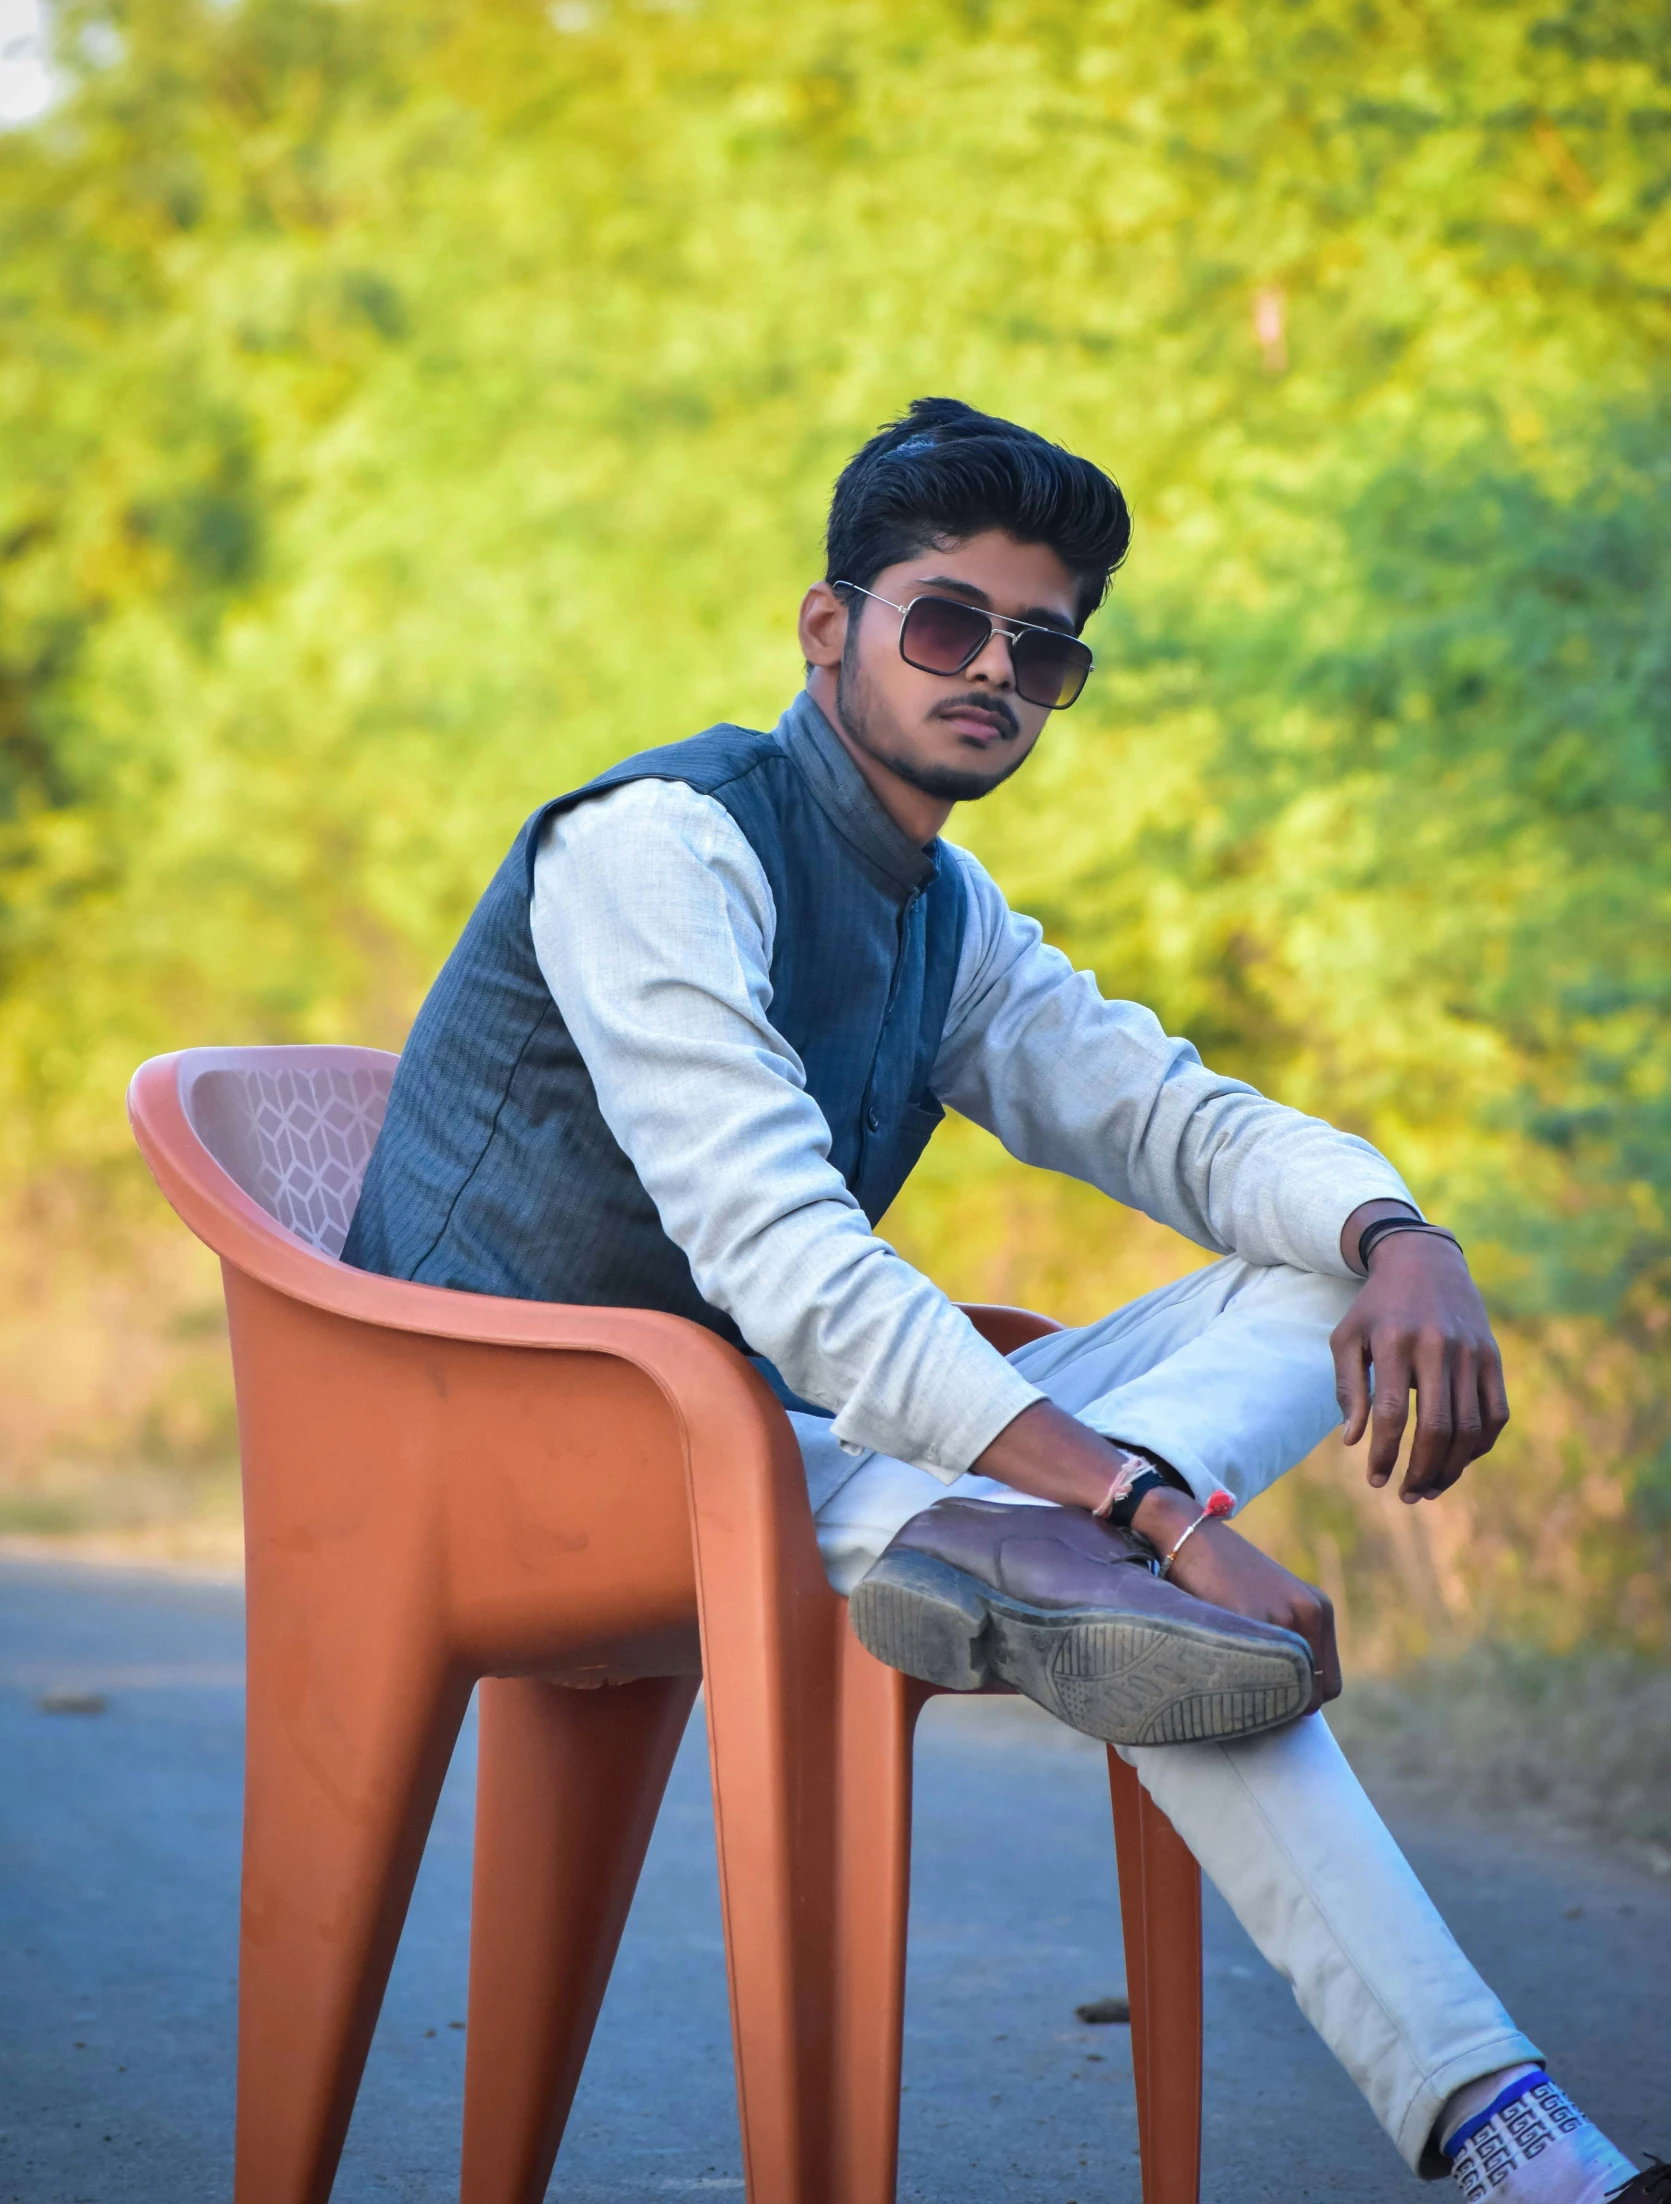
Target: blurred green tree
{"type": "Point", "coordinates": [407, 406]}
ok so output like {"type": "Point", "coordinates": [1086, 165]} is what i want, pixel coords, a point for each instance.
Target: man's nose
{"type": "Point", "coordinates": [994, 664]}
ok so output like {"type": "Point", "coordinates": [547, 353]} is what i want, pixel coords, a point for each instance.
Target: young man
{"type": "Point", "coordinates": [687, 1051]}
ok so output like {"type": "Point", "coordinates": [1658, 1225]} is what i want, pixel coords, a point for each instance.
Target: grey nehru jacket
{"type": "Point", "coordinates": [654, 927]}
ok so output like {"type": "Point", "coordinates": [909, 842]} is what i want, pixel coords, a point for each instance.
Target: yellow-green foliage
{"type": "Point", "coordinates": [408, 405]}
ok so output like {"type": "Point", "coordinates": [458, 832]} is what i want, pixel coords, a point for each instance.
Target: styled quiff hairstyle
{"type": "Point", "coordinates": [945, 473]}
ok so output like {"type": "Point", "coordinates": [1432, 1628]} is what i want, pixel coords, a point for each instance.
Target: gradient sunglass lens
{"type": "Point", "coordinates": [939, 635]}
{"type": "Point", "coordinates": [1049, 669]}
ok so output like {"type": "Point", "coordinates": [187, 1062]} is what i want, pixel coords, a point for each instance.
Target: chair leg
{"type": "Point", "coordinates": [772, 1633]}
{"type": "Point", "coordinates": [1160, 1908]}
{"type": "Point", "coordinates": [879, 1709]}
{"type": "Point", "coordinates": [351, 1724]}
{"type": "Point", "coordinates": [774, 1780]}
{"type": "Point", "coordinates": [568, 1786]}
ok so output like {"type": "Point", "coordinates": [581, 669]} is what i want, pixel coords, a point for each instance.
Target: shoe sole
{"type": "Point", "coordinates": [1127, 1679]}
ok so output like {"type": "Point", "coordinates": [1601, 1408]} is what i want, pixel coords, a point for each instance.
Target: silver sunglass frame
{"type": "Point", "coordinates": [1010, 630]}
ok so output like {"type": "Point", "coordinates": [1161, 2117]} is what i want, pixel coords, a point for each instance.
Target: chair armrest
{"type": "Point", "coordinates": [1007, 1328]}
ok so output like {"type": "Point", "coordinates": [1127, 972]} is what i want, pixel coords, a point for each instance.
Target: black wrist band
{"type": "Point", "coordinates": [1378, 1228]}
{"type": "Point", "coordinates": [1158, 1477]}
{"type": "Point", "coordinates": [1382, 1228]}
{"type": "Point", "coordinates": [1146, 1481]}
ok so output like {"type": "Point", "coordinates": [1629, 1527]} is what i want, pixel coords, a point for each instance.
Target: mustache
{"type": "Point", "coordinates": [995, 708]}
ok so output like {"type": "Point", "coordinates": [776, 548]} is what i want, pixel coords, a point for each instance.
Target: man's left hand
{"type": "Point", "coordinates": [1420, 1321]}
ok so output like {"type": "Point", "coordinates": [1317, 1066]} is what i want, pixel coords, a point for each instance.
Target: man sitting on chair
{"type": "Point", "coordinates": [686, 1053]}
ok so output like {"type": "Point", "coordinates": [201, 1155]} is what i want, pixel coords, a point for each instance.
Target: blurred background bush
{"type": "Point", "coordinates": [408, 406]}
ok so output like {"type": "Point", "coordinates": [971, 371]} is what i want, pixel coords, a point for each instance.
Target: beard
{"type": "Point", "coordinates": [875, 734]}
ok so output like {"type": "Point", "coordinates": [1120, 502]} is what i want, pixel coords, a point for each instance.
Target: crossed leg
{"type": "Point", "coordinates": [1227, 1375]}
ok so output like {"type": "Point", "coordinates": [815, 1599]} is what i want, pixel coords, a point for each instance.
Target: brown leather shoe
{"type": "Point", "coordinates": [1068, 1611]}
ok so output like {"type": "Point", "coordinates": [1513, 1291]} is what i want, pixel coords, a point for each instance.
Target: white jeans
{"type": "Point", "coordinates": [1227, 1375]}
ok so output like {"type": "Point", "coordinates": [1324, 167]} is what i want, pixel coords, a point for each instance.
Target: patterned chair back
{"type": "Point", "coordinates": [294, 1127]}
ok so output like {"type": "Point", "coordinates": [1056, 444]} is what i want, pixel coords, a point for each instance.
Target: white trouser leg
{"type": "Point", "coordinates": [1228, 1376]}
{"type": "Point", "coordinates": [1282, 1826]}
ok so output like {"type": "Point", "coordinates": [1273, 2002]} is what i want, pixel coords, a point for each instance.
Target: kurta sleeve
{"type": "Point", "coordinates": [1095, 1088]}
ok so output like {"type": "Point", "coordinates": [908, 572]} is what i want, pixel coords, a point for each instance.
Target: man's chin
{"type": "Point", "coordinates": [952, 787]}
{"type": "Point", "coordinates": [957, 783]}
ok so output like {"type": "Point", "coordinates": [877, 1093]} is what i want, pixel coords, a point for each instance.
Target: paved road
{"type": "Point", "coordinates": [118, 1902]}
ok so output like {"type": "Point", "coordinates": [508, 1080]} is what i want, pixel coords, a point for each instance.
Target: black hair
{"type": "Point", "coordinates": [944, 472]}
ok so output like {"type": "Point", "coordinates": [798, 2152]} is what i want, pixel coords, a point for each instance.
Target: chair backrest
{"type": "Point", "coordinates": [294, 1127]}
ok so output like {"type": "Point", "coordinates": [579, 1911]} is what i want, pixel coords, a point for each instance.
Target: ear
{"type": "Point", "coordinates": [823, 625]}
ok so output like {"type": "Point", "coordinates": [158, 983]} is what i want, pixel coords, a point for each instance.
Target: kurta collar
{"type": "Point", "coordinates": [847, 800]}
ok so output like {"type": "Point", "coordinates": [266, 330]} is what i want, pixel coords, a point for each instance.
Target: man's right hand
{"type": "Point", "coordinates": [1218, 1564]}
{"type": "Point", "coordinates": [1051, 1455]}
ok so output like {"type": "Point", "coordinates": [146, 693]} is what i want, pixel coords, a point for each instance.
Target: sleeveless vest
{"type": "Point", "coordinates": [495, 1172]}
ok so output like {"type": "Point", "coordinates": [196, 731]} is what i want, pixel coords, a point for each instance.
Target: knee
{"type": "Point", "coordinates": [1310, 1296]}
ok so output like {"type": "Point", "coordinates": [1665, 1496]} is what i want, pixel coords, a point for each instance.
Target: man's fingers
{"type": "Point", "coordinates": [1221, 1567]}
{"type": "Point", "coordinates": [1351, 1381]}
{"type": "Point", "coordinates": [1467, 1417]}
{"type": "Point", "coordinates": [1424, 1473]}
{"type": "Point", "coordinates": [1494, 1397]}
{"type": "Point", "coordinates": [1391, 1410]}
{"type": "Point", "coordinates": [1481, 1407]}
{"type": "Point", "coordinates": [1479, 1410]}
{"type": "Point", "coordinates": [1313, 1618]}
{"type": "Point", "coordinates": [1328, 1679]}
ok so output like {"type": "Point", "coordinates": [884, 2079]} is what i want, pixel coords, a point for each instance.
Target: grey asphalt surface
{"type": "Point", "coordinates": [118, 1912]}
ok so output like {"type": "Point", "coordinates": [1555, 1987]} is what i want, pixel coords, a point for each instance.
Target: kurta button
{"type": "Point", "coordinates": [873, 1118]}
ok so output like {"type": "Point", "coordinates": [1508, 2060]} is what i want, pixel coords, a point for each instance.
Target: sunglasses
{"type": "Point", "coordinates": [940, 635]}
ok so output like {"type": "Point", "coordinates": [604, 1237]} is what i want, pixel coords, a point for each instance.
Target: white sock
{"type": "Point", "coordinates": [1479, 2097]}
{"type": "Point", "coordinates": [1513, 2138]}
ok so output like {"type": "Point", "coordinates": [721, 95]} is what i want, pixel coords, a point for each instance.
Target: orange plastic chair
{"type": "Point", "coordinates": [444, 1490]}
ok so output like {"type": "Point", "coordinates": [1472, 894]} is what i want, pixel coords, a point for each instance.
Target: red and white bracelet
{"type": "Point", "coordinates": [1219, 1505]}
